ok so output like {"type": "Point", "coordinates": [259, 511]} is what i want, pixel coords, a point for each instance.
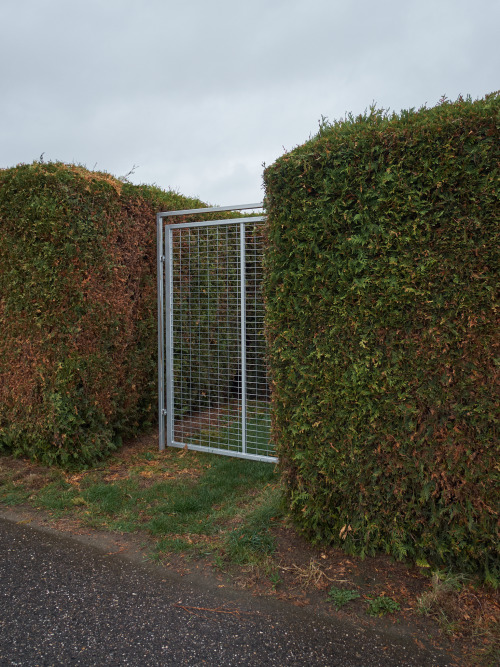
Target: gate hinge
{"type": "Point", "coordinates": [162, 258]}
{"type": "Point", "coordinates": [164, 412]}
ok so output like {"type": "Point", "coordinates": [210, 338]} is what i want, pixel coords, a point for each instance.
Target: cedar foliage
{"type": "Point", "coordinates": [78, 350]}
{"type": "Point", "coordinates": [382, 323]}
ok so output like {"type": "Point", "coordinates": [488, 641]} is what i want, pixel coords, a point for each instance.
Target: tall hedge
{"type": "Point", "coordinates": [382, 320]}
{"type": "Point", "coordinates": [78, 344]}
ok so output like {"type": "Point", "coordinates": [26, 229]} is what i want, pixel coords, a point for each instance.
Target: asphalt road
{"type": "Point", "coordinates": [67, 603]}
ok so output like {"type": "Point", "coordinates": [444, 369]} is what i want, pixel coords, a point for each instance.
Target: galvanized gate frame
{"type": "Point", "coordinates": [165, 322]}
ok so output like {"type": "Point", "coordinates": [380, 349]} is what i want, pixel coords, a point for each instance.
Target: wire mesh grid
{"type": "Point", "coordinates": [216, 368]}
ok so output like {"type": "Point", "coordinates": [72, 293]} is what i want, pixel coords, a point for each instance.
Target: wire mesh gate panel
{"type": "Point", "coordinates": [213, 390]}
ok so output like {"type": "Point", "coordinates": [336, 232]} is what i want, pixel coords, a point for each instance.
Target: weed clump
{"type": "Point", "coordinates": [341, 596]}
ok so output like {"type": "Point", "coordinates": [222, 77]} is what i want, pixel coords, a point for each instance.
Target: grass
{"type": "Point", "coordinates": [185, 501]}
{"type": "Point", "coordinates": [453, 601]}
{"type": "Point", "coordinates": [253, 540]}
{"type": "Point", "coordinates": [441, 598]}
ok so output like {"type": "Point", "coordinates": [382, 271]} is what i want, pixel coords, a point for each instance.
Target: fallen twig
{"type": "Point", "coordinates": [219, 610]}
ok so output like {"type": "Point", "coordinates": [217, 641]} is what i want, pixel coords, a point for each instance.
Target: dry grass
{"type": "Point", "coordinates": [309, 576]}
{"type": "Point", "coordinates": [464, 612]}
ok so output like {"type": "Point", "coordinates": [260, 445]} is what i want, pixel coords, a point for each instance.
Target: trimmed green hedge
{"type": "Point", "coordinates": [78, 345]}
{"type": "Point", "coordinates": [382, 321]}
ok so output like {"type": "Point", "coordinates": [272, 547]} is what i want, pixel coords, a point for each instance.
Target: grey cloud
{"type": "Point", "coordinates": [199, 94]}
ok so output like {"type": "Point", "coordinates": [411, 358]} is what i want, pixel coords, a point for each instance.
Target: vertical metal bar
{"type": "Point", "coordinates": [169, 353]}
{"type": "Point", "coordinates": [243, 339]}
{"type": "Point", "coordinates": [178, 323]}
{"type": "Point", "coordinates": [161, 340]}
{"type": "Point", "coordinates": [209, 389]}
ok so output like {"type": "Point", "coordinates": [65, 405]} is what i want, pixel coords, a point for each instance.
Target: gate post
{"type": "Point", "coordinates": [169, 353]}
{"type": "Point", "coordinates": [161, 340]}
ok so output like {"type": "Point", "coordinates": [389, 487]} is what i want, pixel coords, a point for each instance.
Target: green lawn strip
{"type": "Point", "coordinates": [18, 486]}
{"type": "Point", "coordinates": [252, 541]}
{"type": "Point", "coordinates": [13, 494]}
{"type": "Point", "coordinates": [57, 497]}
{"type": "Point", "coordinates": [47, 490]}
{"type": "Point", "coordinates": [180, 500]}
{"type": "Point", "coordinates": [197, 504]}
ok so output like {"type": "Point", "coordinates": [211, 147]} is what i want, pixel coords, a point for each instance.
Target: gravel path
{"type": "Point", "coordinates": [63, 602]}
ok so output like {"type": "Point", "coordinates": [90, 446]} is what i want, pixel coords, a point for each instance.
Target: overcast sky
{"type": "Point", "coordinates": [199, 93]}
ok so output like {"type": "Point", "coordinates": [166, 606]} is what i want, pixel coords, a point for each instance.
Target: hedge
{"type": "Point", "coordinates": [382, 324]}
{"type": "Point", "coordinates": [78, 350]}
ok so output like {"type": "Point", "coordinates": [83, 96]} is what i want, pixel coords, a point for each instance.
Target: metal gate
{"type": "Point", "coordinates": [212, 380]}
